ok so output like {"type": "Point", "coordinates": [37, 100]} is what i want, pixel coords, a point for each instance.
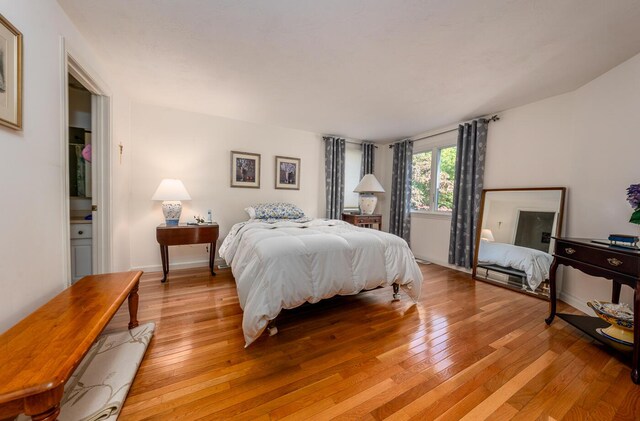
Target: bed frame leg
{"type": "Point", "coordinates": [271, 328]}
{"type": "Point", "coordinates": [396, 292]}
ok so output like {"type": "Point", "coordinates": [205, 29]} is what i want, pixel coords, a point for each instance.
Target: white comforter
{"type": "Point", "coordinates": [283, 265]}
{"type": "Point", "coordinates": [534, 263]}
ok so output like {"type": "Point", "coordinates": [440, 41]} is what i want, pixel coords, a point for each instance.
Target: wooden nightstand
{"type": "Point", "coordinates": [366, 221]}
{"type": "Point", "coordinates": [183, 234]}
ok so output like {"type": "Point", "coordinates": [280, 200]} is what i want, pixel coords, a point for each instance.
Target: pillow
{"type": "Point", "coordinates": [274, 210]}
{"type": "Point", "coordinates": [275, 220]}
{"type": "Point", "coordinates": [251, 211]}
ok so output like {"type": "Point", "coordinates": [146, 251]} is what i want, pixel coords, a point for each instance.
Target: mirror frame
{"type": "Point", "coordinates": [557, 233]}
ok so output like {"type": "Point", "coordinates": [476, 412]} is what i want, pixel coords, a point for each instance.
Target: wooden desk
{"type": "Point", "coordinates": [367, 221]}
{"type": "Point", "coordinates": [620, 265]}
{"type": "Point", "coordinates": [39, 354]}
{"type": "Point", "coordinates": [178, 235]}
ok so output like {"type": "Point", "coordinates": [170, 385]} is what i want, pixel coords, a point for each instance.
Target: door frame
{"type": "Point", "coordinates": [101, 141]}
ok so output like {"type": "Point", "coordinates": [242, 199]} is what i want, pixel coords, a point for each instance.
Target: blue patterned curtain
{"type": "Point", "coordinates": [467, 191]}
{"type": "Point", "coordinates": [334, 175]}
{"type": "Point", "coordinates": [400, 216]}
{"type": "Point", "coordinates": [368, 155]}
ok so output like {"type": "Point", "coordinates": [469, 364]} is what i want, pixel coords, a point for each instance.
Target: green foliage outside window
{"type": "Point", "coordinates": [447, 176]}
{"type": "Point", "coordinates": [421, 183]}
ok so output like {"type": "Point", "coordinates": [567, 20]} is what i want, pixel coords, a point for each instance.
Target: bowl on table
{"type": "Point", "coordinates": [620, 316]}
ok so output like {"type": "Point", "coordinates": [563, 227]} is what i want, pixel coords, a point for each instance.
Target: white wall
{"type": "Point", "coordinates": [604, 163]}
{"type": "Point", "coordinates": [195, 148]}
{"type": "Point", "coordinates": [582, 140]}
{"type": "Point", "coordinates": [428, 232]}
{"type": "Point", "coordinates": [121, 181]}
{"type": "Point", "coordinates": [31, 170]}
{"type": "Point", "coordinates": [585, 140]}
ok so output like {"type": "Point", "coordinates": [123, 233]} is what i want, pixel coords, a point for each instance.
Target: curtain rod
{"type": "Point", "coordinates": [489, 120]}
{"type": "Point", "coordinates": [357, 143]}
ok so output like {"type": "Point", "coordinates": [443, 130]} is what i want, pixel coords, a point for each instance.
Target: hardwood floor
{"type": "Point", "coordinates": [467, 351]}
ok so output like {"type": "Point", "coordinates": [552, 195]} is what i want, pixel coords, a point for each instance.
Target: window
{"type": "Point", "coordinates": [352, 166]}
{"type": "Point", "coordinates": [427, 189]}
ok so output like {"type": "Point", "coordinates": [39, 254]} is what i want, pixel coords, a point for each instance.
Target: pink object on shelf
{"type": "Point", "coordinates": [86, 153]}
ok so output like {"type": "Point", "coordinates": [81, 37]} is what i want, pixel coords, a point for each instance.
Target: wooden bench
{"type": "Point", "coordinates": [39, 354]}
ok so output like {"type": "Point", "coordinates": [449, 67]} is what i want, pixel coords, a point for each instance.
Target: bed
{"type": "Point", "coordinates": [534, 263]}
{"type": "Point", "coordinates": [281, 264]}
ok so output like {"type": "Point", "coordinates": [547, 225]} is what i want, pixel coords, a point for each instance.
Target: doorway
{"type": "Point", "coordinates": [86, 146]}
{"type": "Point", "coordinates": [534, 230]}
{"type": "Point", "coordinates": [80, 179]}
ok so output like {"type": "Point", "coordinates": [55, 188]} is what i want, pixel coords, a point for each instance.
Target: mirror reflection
{"type": "Point", "coordinates": [515, 237]}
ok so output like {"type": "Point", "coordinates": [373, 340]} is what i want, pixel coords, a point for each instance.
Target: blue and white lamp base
{"type": "Point", "coordinates": [171, 210]}
{"type": "Point", "coordinates": [367, 204]}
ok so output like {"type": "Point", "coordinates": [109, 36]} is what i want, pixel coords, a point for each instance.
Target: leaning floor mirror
{"type": "Point", "coordinates": [515, 237]}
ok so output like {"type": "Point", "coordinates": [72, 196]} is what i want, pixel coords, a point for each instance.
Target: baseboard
{"type": "Point", "coordinates": [442, 263]}
{"type": "Point", "coordinates": [181, 265]}
{"type": "Point", "coordinates": [575, 302]}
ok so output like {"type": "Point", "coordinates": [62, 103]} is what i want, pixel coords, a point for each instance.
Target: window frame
{"type": "Point", "coordinates": [434, 146]}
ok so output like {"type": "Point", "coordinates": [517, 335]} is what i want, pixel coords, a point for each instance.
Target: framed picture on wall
{"type": "Point", "coordinates": [287, 173]}
{"type": "Point", "coordinates": [10, 75]}
{"type": "Point", "coordinates": [245, 169]}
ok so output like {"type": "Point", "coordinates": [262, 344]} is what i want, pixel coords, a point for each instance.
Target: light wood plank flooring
{"type": "Point", "coordinates": [467, 351]}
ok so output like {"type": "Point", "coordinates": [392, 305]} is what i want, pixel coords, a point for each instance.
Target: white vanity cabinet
{"type": "Point", "coordinates": [81, 250]}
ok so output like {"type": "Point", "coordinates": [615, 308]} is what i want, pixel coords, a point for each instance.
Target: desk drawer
{"type": "Point", "coordinates": [189, 234]}
{"type": "Point", "coordinates": [80, 231]}
{"type": "Point", "coordinates": [601, 257]}
{"type": "Point", "coordinates": [366, 220]}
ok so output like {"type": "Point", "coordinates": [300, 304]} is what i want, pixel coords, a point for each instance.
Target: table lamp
{"type": "Point", "coordinates": [171, 192]}
{"type": "Point", "coordinates": [367, 187]}
{"type": "Point", "coordinates": [486, 234]}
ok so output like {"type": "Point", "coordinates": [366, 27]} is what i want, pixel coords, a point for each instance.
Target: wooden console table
{"type": "Point", "coordinates": [621, 265]}
{"type": "Point", "coordinates": [361, 220]}
{"type": "Point", "coordinates": [183, 234]}
{"type": "Point", "coordinates": [39, 354]}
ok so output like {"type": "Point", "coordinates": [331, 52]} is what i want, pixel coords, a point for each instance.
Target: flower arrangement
{"type": "Point", "coordinates": [633, 197]}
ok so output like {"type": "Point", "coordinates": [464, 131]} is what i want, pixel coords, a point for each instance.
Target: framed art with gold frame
{"type": "Point", "coordinates": [287, 173]}
{"type": "Point", "coordinates": [10, 75]}
{"type": "Point", "coordinates": [245, 169]}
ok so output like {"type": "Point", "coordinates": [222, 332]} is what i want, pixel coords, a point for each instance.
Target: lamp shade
{"type": "Point", "coordinates": [171, 189]}
{"type": "Point", "coordinates": [369, 184]}
{"type": "Point", "coordinates": [486, 234]}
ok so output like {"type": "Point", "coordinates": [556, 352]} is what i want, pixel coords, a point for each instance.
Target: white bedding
{"type": "Point", "coordinates": [534, 263]}
{"type": "Point", "coordinates": [283, 265]}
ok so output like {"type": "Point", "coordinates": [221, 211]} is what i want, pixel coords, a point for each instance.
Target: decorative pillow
{"type": "Point", "coordinates": [276, 220]}
{"type": "Point", "coordinates": [275, 211]}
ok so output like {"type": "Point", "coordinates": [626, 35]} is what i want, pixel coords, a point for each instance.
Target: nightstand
{"type": "Point", "coordinates": [366, 221]}
{"type": "Point", "coordinates": [178, 235]}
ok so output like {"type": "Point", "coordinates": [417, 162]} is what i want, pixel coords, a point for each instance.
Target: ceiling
{"type": "Point", "coordinates": [366, 69]}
